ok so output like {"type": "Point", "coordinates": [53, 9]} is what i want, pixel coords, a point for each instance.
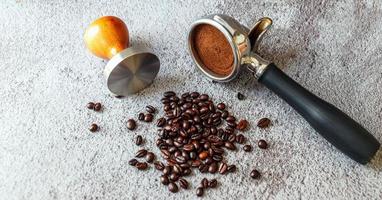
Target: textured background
{"type": "Point", "coordinates": [334, 48]}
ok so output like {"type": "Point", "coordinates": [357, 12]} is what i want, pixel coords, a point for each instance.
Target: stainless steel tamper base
{"type": "Point", "coordinates": [131, 70]}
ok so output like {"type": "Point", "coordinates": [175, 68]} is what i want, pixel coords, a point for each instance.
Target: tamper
{"type": "Point", "coordinates": [129, 69]}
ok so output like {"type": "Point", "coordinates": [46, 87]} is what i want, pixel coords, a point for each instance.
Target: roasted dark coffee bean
{"type": "Point", "coordinates": [161, 122]}
{"type": "Point", "coordinates": [188, 147]}
{"type": "Point", "coordinates": [174, 177]}
{"type": "Point", "coordinates": [172, 149]}
{"type": "Point", "coordinates": [232, 138]}
{"type": "Point", "coordinates": [240, 96]}
{"type": "Point", "coordinates": [185, 165]}
{"type": "Point", "coordinates": [217, 158]}
{"type": "Point", "coordinates": [150, 156]}
{"type": "Point", "coordinates": [231, 168]}
{"type": "Point", "coordinates": [183, 183]}
{"type": "Point", "coordinates": [204, 183]}
{"type": "Point", "coordinates": [148, 117]}
{"type": "Point", "coordinates": [217, 150]}
{"type": "Point", "coordinates": [223, 168]}
{"type": "Point", "coordinates": [131, 124]}
{"type": "Point", "coordinates": [242, 125]}
{"type": "Point", "coordinates": [255, 174]}
{"type": "Point", "coordinates": [196, 163]}
{"type": "Point", "coordinates": [169, 94]}
{"type": "Point", "coordinates": [208, 161]}
{"type": "Point", "coordinates": [203, 168]}
{"type": "Point", "coordinates": [213, 168]}
{"type": "Point", "coordinates": [97, 106]}
{"type": "Point", "coordinates": [133, 162]}
{"type": "Point", "coordinates": [185, 95]}
{"type": "Point", "coordinates": [93, 128]}
{"type": "Point", "coordinates": [193, 155]}
{"type": "Point", "coordinates": [173, 187]}
{"type": "Point", "coordinates": [165, 153]}
{"type": "Point", "coordinates": [164, 180]}
{"type": "Point", "coordinates": [204, 97]}
{"type": "Point", "coordinates": [221, 106]}
{"type": "Point", "coordinates": [212, 183]}
{"type": "Point", "coordinates": [194, 95]}
{"type": "Point", "coordinates": [158, 165]}
{"type": "Point", "coordinates": [229, 145]}
{"type": "Point", "coordinates": [240, 139]}
{"type": "Point", "coordinates": [138, 140]}
{"type": "Point", "coordinates": [150, 109]}
{"type": "Point", "coordinates": [141, 153]}
{"type": "Point", "coordinates": [90, 105]}
{"type": "Point", "coordinates": [141, 116]}
{"type": "Point", "coordinates": [180, 159]}
{"type": "Point", "coordinates": [262, 144]}
{"type": "Point", "coordinates": [263, 123]}
{"type": "Point", "coordinates": [186, 172]}
{"type": "Point", "coordinates": [230, 119]}
{"type": "Point", "coordinates": [167, 170]}
{"type": "Point", "coordinates": [247, 148]}
{"type": "Point", "coordinates": [225, 114]}
{"type": "Point", "coordinates": [199, 191]}
{"type": "Point", "coordinates": [141, 165]}
{"type": "Point", "coordinates": [177, 169]}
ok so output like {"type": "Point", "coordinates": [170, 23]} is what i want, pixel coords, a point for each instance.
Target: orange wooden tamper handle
{"type": "Point", "coordinates": [107, 36]}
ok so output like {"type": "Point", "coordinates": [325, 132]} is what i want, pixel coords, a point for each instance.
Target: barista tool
{"type": "Point", "coordinates": [334, 125]}
{"type": "Point", "coordinates": [129, 69]}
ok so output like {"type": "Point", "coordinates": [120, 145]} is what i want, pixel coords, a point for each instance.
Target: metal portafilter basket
{"type": "Point", "coordinates": [333, 124]}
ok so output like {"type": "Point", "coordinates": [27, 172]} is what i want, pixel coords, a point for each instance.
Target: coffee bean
{"type": "Point", "coordinates": [150, 109]}
{"type": "Point", "coordinates": [221, 106]}
{"type": "Point", "coordinates": [141, 116]}
{"type": "Point", "coordinates": [203, 155]}
{"type": "Point", "coordinates": [131, 124]}
{"type": "Point", "coordinates": [204, 183]}
{"type": "Point", "coordinates": [173, 187]}
{"type": "Point", "coordinates": [180, 159]}
{"type": "Point", "coordinates": [138, 140]}
{"type": "Point", "coordinates": [150, 156]}
{"type": "Point", "coordinates": [204, 97]}
{"type": "Point", "coordinates": [165, 153]}
{"type": "Point", "coordinates": [93, 128]}
{"type": "Point", "coordinates": [212, 183]}
{"type": "Point", "coordinates": [247, 148]}
{"type": "Point", "coordinates": [263, 123]}
{"type": "Point", "coordinates": [213, 168]}
{"type": "Point", "coordinates": [161, 122]}
{"type": "Point", "coordinates": [158, 165]}
{"type": "Point", "coordinates": [177, 169]}
{"type": "Point", "coordinates": [133, 162]}
{"type": "Point", "coordinates": [97, 106]}
{"type": "Point", "coordinates": [225, 114]}
{"type": "Point", "coordinates": [141, 153]}
{"type": "Point", "coordinates": [164, 180]}
{"type": "Point", "coordinates": [141, 165]}
{"type": "Point", "coordinates": [196, 163]}
{"type": "Point", "coordinates": [183, 183]}
{"type": "Point", "coordinates": [199, 191]}
{"type": "Point", "coordinates": [90, 105]}
{"type": "Point", "coordinates": [167, 170]}
{"type": "Point", "coordinates": [148, 117]}
{"type": "Point", "coordinates": [242, 125]}
{"type": "Point", "coordinates": [194, 95]}
{"type": "Point", "coordinates": [231, 168]}
{"type": "Point", "coordinates": [186, 172]}
{"type": "Point", "coordinates": [188, 147]}
{"type": "Point", "coordinates": [169, 94]}
{"type": "Point", "coordinates": [262, 144]}
{"type": "Point", "coordinates": [174, 177]}
{"type": "Point", "coordinates": [230, 119]}
{"type": "Point", "coordinates": [240, 96]}
{"type": "Point", "coordinates": [240, 139]}
{"type": "Point", "coordinates": [223, 168]}
{"type": "Point", "coordinates": [255, 174]}
{"type": "Point", "coordinates": [229, 145]}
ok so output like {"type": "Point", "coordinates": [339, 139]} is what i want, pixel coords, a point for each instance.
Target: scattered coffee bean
{"type": "Point", "coordinates": [240, 96]}
{"type": "Point", "coordinates": [173, 187]}
{"type": "Point", "coordinates": [97, 106]}
{"type": "Point", "coordinates": [141, 165]}
{"type": "Point", "coordinates": [133, 162]}
{"type": "Point", "coordinates": [141, 116]}
{"type": "Point", "coordinates": [93, 128]}
{"type": "Point", "coordinates": [90, 105]}
{"type": "Point", "coordinates": [174, 177]}
{"type": "Point", "coordinates": [169, 94]}
{"type": "Point", "coordinates": [167, 170]}
{"type": "Point", "coordinates": [141, 153]}
{"type": "Point", "coordinates": [255, 174]}
{"type": "Point", "coordinates": [262, 144]}
{"type": "Point", "coordinates": [242, 125]}
{"type": "Point", "coordinates": [150, 156]}
{"type": "Point", "coordinates": [183, 183]}
{"type": "Point", "coordinates": [150, 109]}
{"type": "Point", "coordinates": [158, 165]}
{"type": "Point", "coordinates": [223, 168]}
{"type": "Point", "coordinates": [231, 168]}
{"type": "Point", "coordinates": [212, 183]}
{"type": "Point", "coordinates": [263, 123]}
{"type": "Point", "coordinates": [161, 122]}
{"type": "Point", "coordinates": [247, 148]}
{"type": "Point", "coordinates": [240, 139]}
{"type": "Point", "coordinates": [204, 183]}
{"type": "Point", "coordinates": [199, 191]}
{"type": "Point", "coordinates": [131, 124]}
{"type": "Point", "coordinates": [221, 106]}
{"type": "Point", "coordinates": [148, 117]}
{"type": "Point", "coordinates": [164, 180]}
{"type": "Point", "coordinates": [213, 168]}
{"type": "Point", "coordinates": [138, 140]}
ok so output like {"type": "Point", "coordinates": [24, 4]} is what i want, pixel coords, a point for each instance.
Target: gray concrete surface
{"type": "Point", "coordinates": [334, 48]}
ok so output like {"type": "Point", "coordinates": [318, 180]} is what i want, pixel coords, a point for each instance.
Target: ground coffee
{"type": "Point", "coordinates": [213, 49]}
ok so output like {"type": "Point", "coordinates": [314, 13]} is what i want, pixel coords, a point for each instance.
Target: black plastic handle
{"type": "Point", "coordinates": [334, 125]}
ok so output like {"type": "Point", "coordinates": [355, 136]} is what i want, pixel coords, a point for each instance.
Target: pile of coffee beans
{"type": "Point", "coordinates": [194, 133]}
